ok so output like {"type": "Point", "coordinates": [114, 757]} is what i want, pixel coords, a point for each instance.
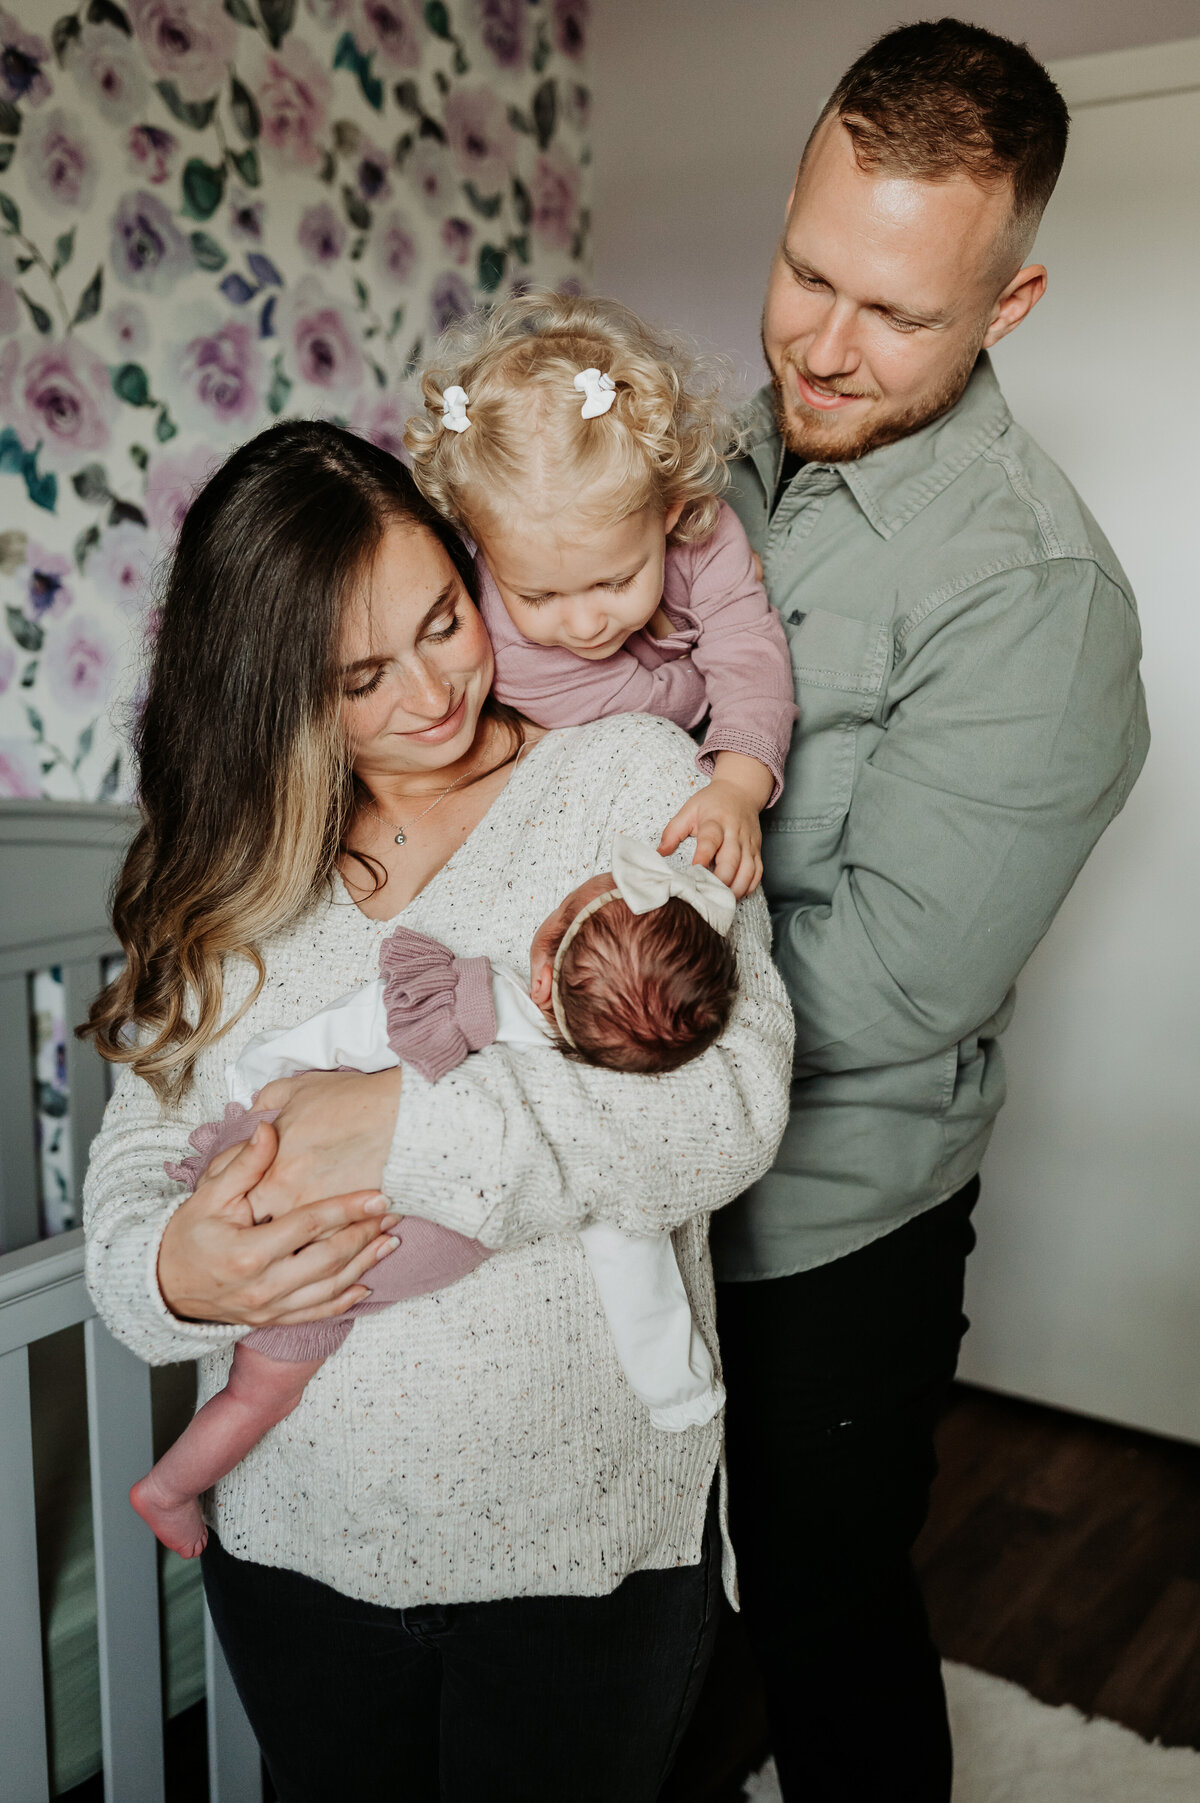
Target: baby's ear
{"type": "Point", "coordinates": [541, 982]}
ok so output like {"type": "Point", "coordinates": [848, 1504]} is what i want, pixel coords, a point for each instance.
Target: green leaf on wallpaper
{"type": "Point", "coordinates": [520, 121]}
{"type": "Point", "coordinates": [277, 16]}
{"type": "Point", "coordinates": [10, 212]}
{"type": "Point", "coordinates": [206, 252]}
{"type": "Point", "coordinates": [429, 128]}
{"type": "Point", "coordinates": [91, 482]}
{"type": "Point", "coordinates": [89, 301]}
{"type": "Point", "coordinates": [111, 780]}
{"type": "Point", "coordinates": [29, 674]}
{"type": "Point", "coordinates": [203, 186]}
{"type": "Point", "coordinates": [541, 51]}
{"type": "Point", "coordinates": [27, 633]}
{"type": "Point", "coordinates": [441, 82]}
{"type": "Point", "coordinates": [122, 511]}
{"type": "Point", "coordinates": [519, 247]}
{"type": "Point", "coordinates": [328, 168]}
{"type": "Point", "coordinates": [347, 136]}
{"type": "Point", "coordinates": [401, 148]}
{"type": "Point", "coordinates": [64, 250]}
{"type": "Point", "coordinates": [492, 260]}
{"type": "Point", "coordinates": [408, 97]}
{"type": "Point", "coordinates": [36, 724]}
{"type": "Point", "coordinates": [12, 551]}
{"type": "Point", "coordinates": [437, 18]}
{"type": "Point", "coordinates": [65, 30]}
{"type": "Point", "coordinates": [246, 164]}
{"type": "Point", "coordinates": [83, 744]}
{"type": "Point", "coordinates": [347, 55]}
{"type": "Point", "coordinates": [545, 112]}
{"type": "Point", "coordinates": [10, 120]}
{"type": "Point", "coordinates": [164, 426]}
{"type": "Point", "coordinates": [41, 489]}
{"type": "Point", "coordinates": [357, 210]}
{"type": "Point", "coordinates": [244, 108]}
{"type": "Point", "coordinates": [7, 152]}
{"type": "Point", "coordinates": [487, 205]}
{"type": "Point", "coordinates": [461, 65]}
{"type": "Point", "coordinates": [380, 375]}
{"type": "Point", "coordinates": [358, 247]}
{"type": "Point", "coordinates": [522, 204]}
{"type": "Point", "coordinates": [131, 384]}
{"type": "Point", "coordinates": [361, 292]}
{"type": "Point", "coordinates": [196, 113]}
{"type": "Point", "coordinates": [280, 389]}
{"type": "Point", "coordinates": [103, 12]}
{"type": "Point", "coordinates": [39, 315]}
{"type": "Point", "coordinates": [139, 455]}
{"type": "Point", "coordinates": [238, 9]}
{"type": "Point", "coordinates": [397, 320]}
{"type": "Point", "coordinates": [12, 453]}
{"type": "Point", "coordinates": [85, 543]}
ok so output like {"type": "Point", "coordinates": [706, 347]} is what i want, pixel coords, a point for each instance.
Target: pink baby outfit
{"type": "Point", "coordinates": [727, 657]}
{"type": "Point", "coordinates": [439, 1008]}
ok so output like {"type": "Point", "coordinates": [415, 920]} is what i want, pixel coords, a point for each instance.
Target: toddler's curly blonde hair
{"type": "Point", "coordinates": [664, 442]}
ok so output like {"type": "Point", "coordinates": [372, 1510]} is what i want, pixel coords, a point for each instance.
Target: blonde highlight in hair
{"type": "Point", "coordinates": [665, 441]}
{"type": "Point", "coordinates": [246, 787]}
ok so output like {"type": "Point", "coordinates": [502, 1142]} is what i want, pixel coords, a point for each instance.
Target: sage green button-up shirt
{"type": "Point", "coordinates": [965, 647]}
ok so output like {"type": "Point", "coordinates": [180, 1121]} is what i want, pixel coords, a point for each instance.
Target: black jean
{"type": "Point", "coordinates": [530, 1700]}
{"type": "Point", "coordinates": [836, 1378]}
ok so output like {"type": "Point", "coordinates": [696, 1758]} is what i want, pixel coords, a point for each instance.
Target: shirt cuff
{"type": "Point", "coordinates": [769, 751]}
{"type": "Point", "coordinates": [460, 1136]}
{"type": "Point", "coordinates": [136, 1312]}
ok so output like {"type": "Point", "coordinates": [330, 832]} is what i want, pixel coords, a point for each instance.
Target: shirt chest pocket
{"type": "Point", "coordinates": [839, 665]}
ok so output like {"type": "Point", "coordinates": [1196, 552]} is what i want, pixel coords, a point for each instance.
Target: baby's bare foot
{"type": "Point", "coordinates": [176, 1520]}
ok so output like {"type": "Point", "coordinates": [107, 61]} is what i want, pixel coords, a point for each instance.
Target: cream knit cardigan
{"type": "Point", "coordinates": [481, 1442]}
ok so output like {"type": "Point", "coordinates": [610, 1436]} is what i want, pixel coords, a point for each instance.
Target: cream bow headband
{"type": "Point", "coordinates": [599, 392]}
{"type": "Point", "coordinates": [454, 410]}
{"type": "Point", "coordinates": [644, 881]}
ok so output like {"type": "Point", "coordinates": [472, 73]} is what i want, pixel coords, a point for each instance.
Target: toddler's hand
{"type": "Point", "coordinates": [724, 824]}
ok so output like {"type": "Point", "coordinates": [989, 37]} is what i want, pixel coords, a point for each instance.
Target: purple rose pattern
{"type": "Point", "coordinates": [164, 293]}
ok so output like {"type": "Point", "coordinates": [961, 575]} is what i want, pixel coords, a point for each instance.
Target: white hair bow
{"type": "Point", "coordinates": [645, 881]}
{"type": "Point", "coordinates": [454, 410]}
{"type": "Point", "coordinates": [599, 392]}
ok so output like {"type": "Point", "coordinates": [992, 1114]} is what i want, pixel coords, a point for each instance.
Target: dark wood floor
{"type": "Point", "coordinates": [1060, 1553]}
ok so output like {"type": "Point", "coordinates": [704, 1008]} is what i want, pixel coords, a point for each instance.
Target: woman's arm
{"type": "Point", "coordinates": [156, 1256]}
{"type": "Point", "coordinates": [510, 1146]}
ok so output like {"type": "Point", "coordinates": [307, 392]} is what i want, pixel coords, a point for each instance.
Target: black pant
{"type": "Point", "coordinates": [835, 1380]}
{"type": "Point", "coordinates": [531, 1700]}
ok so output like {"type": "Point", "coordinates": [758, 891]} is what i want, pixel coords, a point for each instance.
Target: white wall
{"type": "Point", "coordinates": [701, 110]}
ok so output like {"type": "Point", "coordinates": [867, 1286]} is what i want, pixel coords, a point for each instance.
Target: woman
{"type": "Point", "coordinates": [466, 1566]}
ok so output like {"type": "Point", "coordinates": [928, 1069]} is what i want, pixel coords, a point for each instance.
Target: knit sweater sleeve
{"type": "Point", "coordinates": [511, 1146]}
{"type": "Point", "coordinates": [127, 1201]}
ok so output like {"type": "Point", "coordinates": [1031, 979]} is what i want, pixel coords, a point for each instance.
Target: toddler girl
{"type": "Point", "coordinates": [634, 971]}
{"type": "Point", "coordinates": [585, 457]}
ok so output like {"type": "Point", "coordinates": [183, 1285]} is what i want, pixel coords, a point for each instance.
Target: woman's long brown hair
{"type": "Point", "coordinates": [245, 789]}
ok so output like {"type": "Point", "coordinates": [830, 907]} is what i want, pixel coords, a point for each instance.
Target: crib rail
{"type": "Point", "coordinates": [56, 865]}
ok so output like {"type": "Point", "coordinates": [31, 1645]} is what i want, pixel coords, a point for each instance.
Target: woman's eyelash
{"type": "Point", "coordinates": [447, 632]}
{"type": "Point", "coordinates": [368, 688]}
{"type": "Point", "coordinates": [435, 638]}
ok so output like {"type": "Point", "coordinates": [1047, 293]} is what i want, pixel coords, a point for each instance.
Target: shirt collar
{"type": "Point", "coordinates": [894, 483]}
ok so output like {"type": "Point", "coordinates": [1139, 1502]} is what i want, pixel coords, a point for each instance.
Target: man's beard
{"type": "Point", "coordinates": [820, 440]}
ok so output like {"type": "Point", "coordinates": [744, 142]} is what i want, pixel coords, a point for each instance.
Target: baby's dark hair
{"type": "Point", "coordinates": [646, 992]}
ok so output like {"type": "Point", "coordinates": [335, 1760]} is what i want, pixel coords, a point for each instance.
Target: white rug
{"type": "Point", "coordinates": [1009, 1748]}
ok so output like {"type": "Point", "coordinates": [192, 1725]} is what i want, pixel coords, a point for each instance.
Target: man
{"type": "Point", "coordinates": [965, 649]}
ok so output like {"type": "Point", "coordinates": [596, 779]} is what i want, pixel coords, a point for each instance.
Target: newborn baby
{"type": "Point", "coordinates": [632, 971]}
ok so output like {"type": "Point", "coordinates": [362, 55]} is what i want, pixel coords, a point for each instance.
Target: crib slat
{"type": "Point", "coordinates": [22, 1698]}
{"type": "Point", "coordinates": [234, 1764]}
{"type": "Point", "coordinates": [131, 1715]}
{"type": "Point", "coordinates": [19, 1210]}
{"type": "Point", "coordinates": [86, 1079]}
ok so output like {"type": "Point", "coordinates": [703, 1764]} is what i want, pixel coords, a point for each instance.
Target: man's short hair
{"type": "Point", "coordinates": [942, 98]}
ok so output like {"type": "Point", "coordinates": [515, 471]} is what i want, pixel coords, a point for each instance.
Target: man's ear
{"type": "Point", "coordinates": [1020, 297]}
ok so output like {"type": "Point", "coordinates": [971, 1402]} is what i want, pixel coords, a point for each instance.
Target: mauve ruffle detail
{"type": "Point", "coordinates": [438, 1007]}
{"type": "Point", "coordinates": [217, 1136]}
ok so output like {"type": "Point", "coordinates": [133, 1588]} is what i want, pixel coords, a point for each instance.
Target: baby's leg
{"type": "Point", "coordinates": [261, 1391]}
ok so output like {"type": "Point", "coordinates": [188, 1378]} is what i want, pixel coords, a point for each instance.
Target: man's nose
{"type": "Point", "coordinates": [832, 351]}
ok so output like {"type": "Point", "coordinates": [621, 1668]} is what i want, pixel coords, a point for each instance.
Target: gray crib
{"type": "Point", "coordinates": [56, 865]}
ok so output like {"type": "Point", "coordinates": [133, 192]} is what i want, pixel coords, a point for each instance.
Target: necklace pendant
{"type": "Point", "coordinates": [400, 839]}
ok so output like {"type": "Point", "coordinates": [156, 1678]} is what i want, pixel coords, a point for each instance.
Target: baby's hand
{"type": "Point", "coordinates": [723, 820]}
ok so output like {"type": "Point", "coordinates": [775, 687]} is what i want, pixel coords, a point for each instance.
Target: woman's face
{"type": "Point", "coordinates": [416, 661]}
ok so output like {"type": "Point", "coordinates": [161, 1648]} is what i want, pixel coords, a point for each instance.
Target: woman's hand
{"type": "Point", "coordinates": [215, 1264]}
{"type": "Point", "coordinates": [335, 1133]}
{"type": "Point", "coordinates": [723, 820]}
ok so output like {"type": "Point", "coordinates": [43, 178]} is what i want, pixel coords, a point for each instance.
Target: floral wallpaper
{"type": "Point", "coordinates": [214, 213]}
